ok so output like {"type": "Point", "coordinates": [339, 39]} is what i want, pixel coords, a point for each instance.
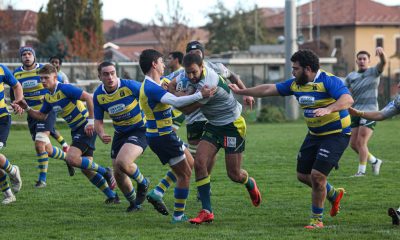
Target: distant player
{"type": "Point", "coordinates": [325, 101]}
{"type": "Point", "coordinates": [390, 110]}
{"type": "Point", "coordinates": [67, 100]}
{"type": "Point", "coordinates": [34, 92]}
{"type": "Point", "coordinates": [120, 99]}
{"type": "Point", "coordinates": [6, 167]}
{"type": "Point", "coordinates": [156, 103]}
{"type": "Point", "coordinates": [363, 85]}
{"type": "Point", "coordinates": [56, 61]}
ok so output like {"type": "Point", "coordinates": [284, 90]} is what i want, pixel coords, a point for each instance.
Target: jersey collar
{"type": "Point", "coordinates": [104, 90]}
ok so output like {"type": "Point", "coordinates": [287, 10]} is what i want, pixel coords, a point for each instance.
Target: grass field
{"type": "Point", "coordinates": [72, 208]}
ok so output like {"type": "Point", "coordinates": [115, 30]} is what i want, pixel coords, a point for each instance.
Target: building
{"type": "Point", "coordinates": [342, 28]}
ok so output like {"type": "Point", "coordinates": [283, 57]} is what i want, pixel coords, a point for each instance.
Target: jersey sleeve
{"type": "Point", "coordinates": [335, 87]}
{"type": "Point", "coordinates": [284, 87]}
{"type": "Point", "coordinates": [9, 77]}
{"type": "Point", "coordinates": [155, 92]}
{"type": "Point", "coordinates": [46, 107]}
{"type": "Point", "coordinates": [98, 110]}
{"type": "Point", "coordinates": [71, 91]}
{"type": "Point", "coordinates": [134, 86]}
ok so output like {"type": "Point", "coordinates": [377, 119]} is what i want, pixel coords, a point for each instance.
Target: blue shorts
{"type": "Point", "coordinates": [5, 124]}
{"type": "Point", "coordinates": [83, 142]}
{"type": "Point", "coordinates": [136, 137]}
{"type": "Point", "coordinates": [321, 153]}
{"type": "Point", "coordinates": [169, 148]}
{"type": "Point", "coordinates": [36, 126]}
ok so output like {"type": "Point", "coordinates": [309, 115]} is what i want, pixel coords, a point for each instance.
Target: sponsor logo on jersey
{"type": "Point", "coordinates": [116, 108]}
{"type": "Point", "coordinates": [29, 84]}
{"type": "Point", "coordinates": [57, 108]}
{"type": "Point", "coordinates": [307, 100]}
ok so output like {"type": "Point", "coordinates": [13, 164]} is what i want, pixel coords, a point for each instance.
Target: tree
{"type": "Point", "coordinates": [171, 32]}
{"type": "Point", "coordinates": [233, 30]}
{"type": "Point", "coordinates": [80, 21]}
{"type": "Point", "coordinates": [124, 28]}
{"type": "Point", "coordinates": [55, 45]}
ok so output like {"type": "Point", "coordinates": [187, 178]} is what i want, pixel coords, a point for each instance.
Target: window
{"type": "Point", "coordinates": [379, 42]}
{"type": "Point", "coordinates": [338, 43]}
{"type": "Point", "coordinates": [398, 45]}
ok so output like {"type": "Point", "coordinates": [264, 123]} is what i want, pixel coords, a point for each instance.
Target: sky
{"type": "Point", "coordinates": [144, 11]}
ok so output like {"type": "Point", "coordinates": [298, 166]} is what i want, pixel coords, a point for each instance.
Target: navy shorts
{"type": "Point", "coordinates": [83, 142]}
{"type": "Point", "coordinates": [136, 137]}
{"type": "Point", "coordinates": [36, 126]}
{"type": "Point", "coordinates": [167, 147]}
{"type": "Point", "coordinates": [5, 124]}
{"type": "Point", "coordinates": [321, 153]}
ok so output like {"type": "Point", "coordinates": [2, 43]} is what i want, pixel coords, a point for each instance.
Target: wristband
{"type": "Point", "coordinates": [90, 121]}
{"type": "Point", "coordinates": [362, 113]}
{"type": "Point", "coordinates": [27, 109]}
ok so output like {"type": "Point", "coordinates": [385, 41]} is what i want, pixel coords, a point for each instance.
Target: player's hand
{"type": "Point", "coordinates": [22, 103]}
{"type": "Point", "coordinates": [89, 129]}
{"type": "Point", "coordinates": [17, 109]}
{"type": "Point", "coordinates": [249, 101]}
{"type": "Point", "coordinates": [234, 88]}
{"type": "Point", "coordinates": [207, 92]}
{"type": "Point", "coordinates": [355, 112]}
{"type": "Point", "coordinates": [164, 85]}
{"type": "Point", "coordinates": [106, 139]}
{"type": "Point", "coordinates": [319, 112]}
{"type": "Point", "coordinates": [379, 51]}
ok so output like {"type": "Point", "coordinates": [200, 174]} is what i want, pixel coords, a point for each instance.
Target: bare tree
{"type": "Point", "coordinates": [171, 31]}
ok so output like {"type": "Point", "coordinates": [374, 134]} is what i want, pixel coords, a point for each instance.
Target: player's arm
{"type": "Point", "coordinates": [179, 102]}
{"type": "Point", "coordinates": [382, 59]}
{"type": "Point", "coordinates": [98, 121]}
{"type": "Point", "coordinates": [39, 115]}
{"type": "Point", "coordinates": [374, 116]}
{"type": "Point", "coordinates": [345, 101]}
{"type": "Point", "coordinates": [99, 128]}
{"type": "Point", "coordinates": [263, 90]}
{"type": "Point", "coordinates": [190, 108]}
{"type": "Point", "coordinates": [89, 128]}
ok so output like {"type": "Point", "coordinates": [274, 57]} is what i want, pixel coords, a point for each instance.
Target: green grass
{"type": "Point", "coordinates": [71, 208]}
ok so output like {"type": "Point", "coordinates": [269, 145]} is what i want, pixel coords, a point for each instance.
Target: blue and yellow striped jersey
{"type": "Point", "coordinates": [31, 85]}
{"type": "Point", "coordinates": [323, 91]}
{"type": "Point", "coordinates": [122, 105]}
{"type": "Point", "coordinates": [7, 78]}
{"type": "Point", "coordinates": [65, 101]}
{"type": "Point", "coordinates": [158, 115]}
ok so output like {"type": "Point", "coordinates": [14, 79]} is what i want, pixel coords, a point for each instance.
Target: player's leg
{"type": "Point", "coordinates": [5, 189]}
{"type": "Point", "coordinates": [60, 139]}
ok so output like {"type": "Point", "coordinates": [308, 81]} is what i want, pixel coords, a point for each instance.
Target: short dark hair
{"type": "Point", "coordinates": [177, 55]}
{"type": "Point", "coordinates": [48, 69]}
{"type": "Point", "coordinates": [192, 58]}
{"type": "Point", "coordinates": [104, 64]}
{"type": "Point", "coordinates": [146, 59]}
{"type": "Point", "coordinates": [363, 52]}
{"type": "Point", "coordinates": [306, 57]}
{"type": "Point", "coordinates": [56, 57]}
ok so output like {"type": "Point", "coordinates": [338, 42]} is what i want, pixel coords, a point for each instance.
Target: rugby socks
{"type": "Point", "coordinates": [316, 213]}
{"type": "Point", "coordinates": [43, 164]}
{"type": "Point", "coordinates": [4, 184]}
{"type": "Point", "coordinates": [9, 168]}
{"type": "Point", "coordinates": [61, 141]}
{"type": "Point", "coordinates": [99, 181]}
{"type": "Point", "coordinates": [330, 192]}
{"type": "Point", "coordinates": [249, 184]}
{"type": "Point", "coordinates": [362, 168]}
{"type": "Point", "coordinates": [138, 176]}
{"type": "Point", "coordinates": [89, 164]}
{"type": "Point", "coordinates": [131, 196]}
{"type": "Point", "coordinates": [165, 183]}
{"type": "Point", "coordinates": [58, 153]}
{"type": "Point", "coordinates": [180, 194]}
{"type": "Point", "coordinates": [372, 159]}
{"type": "Point", "coordinates": [203, 187]}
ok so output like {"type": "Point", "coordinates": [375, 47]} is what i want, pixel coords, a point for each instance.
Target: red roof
{"type": "Point", "coordinates": [24, 20]}
{"type": "Point", "coordinates": [108, 24]}
{"type": "Point", "coordinates": [342, 13]}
